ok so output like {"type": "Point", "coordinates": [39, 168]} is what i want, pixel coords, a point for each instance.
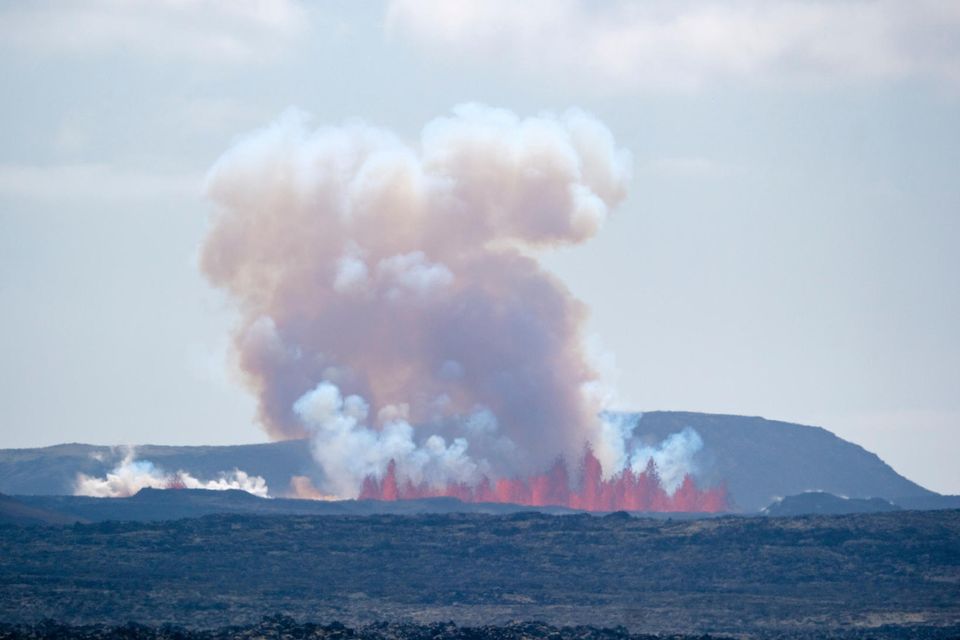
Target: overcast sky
{"type": "Point", "coordinates": [789, 247]}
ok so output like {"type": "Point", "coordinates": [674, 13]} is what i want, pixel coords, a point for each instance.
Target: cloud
{"type": "Point", "coordinates": [91, 181]}
{"type": "Point", "coordinates": [685, 46]}
{"type": "Point", "coordinates": [210, 31]}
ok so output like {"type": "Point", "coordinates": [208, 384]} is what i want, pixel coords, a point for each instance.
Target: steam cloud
{"type": "Point", "coordinates": [392, 307]}
{"type": "Point", "coordinates": [131, 475]}
{"type": "Point", "coordinates": [674, 458]}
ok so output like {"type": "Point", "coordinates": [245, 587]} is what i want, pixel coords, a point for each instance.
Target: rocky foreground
{"type": "Point", "coordinates": [884, 575]}
{"type": "Point", "coordinates": [280, 627]}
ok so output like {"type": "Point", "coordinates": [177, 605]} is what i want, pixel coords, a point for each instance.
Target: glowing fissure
{"type": "Point", "coordinates": [626, 491]}
{"type": "Point", "coordinates": [389, 463]}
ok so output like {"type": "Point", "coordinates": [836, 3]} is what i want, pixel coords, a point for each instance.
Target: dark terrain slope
{"type": "Point", "coordinates": [759, 460]}
{"type": "Point", "coordinates": [15, 512]}
{"type": "Point", "coordinates": [806, 577]}
{"type": "Point", "coordinates": [171, 504]}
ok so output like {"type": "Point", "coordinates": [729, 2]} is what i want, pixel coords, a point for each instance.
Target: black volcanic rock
{"type": "Point", "coordinates": [891, 575]}
{"type": "Point", "coordinates": [822, 503]}
{"type": "Point", "coordinates": [279, 626]}
{"type": "Point", "coordinates": [286, 628]}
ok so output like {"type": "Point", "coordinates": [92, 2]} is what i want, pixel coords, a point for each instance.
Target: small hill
{"type": "Point", "coordinates": [822, 503]}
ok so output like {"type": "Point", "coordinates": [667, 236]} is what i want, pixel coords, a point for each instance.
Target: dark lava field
{"type": "Point", "coordinates": [284, 627]}
{"type": "Point", "coordinates": [883, 575]}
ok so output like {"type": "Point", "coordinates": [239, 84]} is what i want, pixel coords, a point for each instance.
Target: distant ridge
{"type": "Point", "coordinates": [53, 470]}
{"type": "Point", "coordinates": [759, 460]}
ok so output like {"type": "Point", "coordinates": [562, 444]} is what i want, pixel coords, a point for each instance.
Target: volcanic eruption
{"type": "Point", "coordinates": [393, 310]}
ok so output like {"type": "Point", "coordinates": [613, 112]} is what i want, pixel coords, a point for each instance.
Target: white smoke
{"type": "Point", "coordinates": [674, 457]}
{"type": "Point", "coordinates": [131, 475]}
{"type": "Point", "coordinates": [621, 447]}
{"type": "Point", "coordinates": [349, 450]}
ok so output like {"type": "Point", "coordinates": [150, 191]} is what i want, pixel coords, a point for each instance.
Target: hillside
{"type": "Point", "coordinates": [759, 460]}
{"type": "Point", "coordinates": [53, 470]}
{"type": "Point", "coordinates": [763, 460]}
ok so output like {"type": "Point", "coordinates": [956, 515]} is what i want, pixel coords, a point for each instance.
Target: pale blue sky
{"type": "Point", "coordinates": [788, 248]}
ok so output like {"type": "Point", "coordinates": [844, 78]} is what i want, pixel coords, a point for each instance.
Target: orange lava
{"type": "Point", "coordinates": [627, 491]}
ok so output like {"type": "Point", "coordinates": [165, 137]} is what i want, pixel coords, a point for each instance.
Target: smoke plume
{"type": "Point", "coordinates": [392, 306]}
{"type": "Point", "coordinates": [131, 475]}
{"type": "Point", "coordinates": [394, 312]}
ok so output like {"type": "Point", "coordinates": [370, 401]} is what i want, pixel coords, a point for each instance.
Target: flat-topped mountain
{"type": "Point", "coordinates": [763, 460]}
